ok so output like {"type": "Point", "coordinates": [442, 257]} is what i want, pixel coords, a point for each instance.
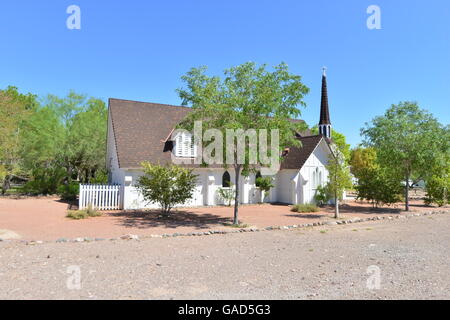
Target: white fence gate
{"type": "Point", "coordinates": [100, 197]}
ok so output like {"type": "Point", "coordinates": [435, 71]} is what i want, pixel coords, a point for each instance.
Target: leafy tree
{"type": "Point", "coordinates": [379, 186]}
{"type": "Point", "coordinates": [15, 108]}
{"type": "Point", "coordinates": [166, 185]}
{"type": "Point", "coordinates": [376, 184]}
{"type": "Point", "coordinates": [339, 140]}
{"type": "Point", "coordinates": [361, 159]}
{"type": "Point", "coordinates": [339, 178]}
{"type": "Point", "coordinates": [249, 97]}
{"type": "Point", "coordinates": [67, 133]}
{"type": "Point", "coordinates": [86, 139]}
{"type": "Point", "coordinates": [407, 140]}
{"type": "Point", "coordinates": [438, 181]}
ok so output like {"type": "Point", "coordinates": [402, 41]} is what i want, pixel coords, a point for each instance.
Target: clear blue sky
{"type": "Point", "coordinates": [139, 49]}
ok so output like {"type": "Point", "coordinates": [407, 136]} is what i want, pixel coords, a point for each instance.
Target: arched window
{"type": "Point", "coordinates": [226, 180]}
{"type": "Point", "coordinates": [316, 178]}
{"type": "Point", "coordinates": [320, 178]}
{"type": "Point", "coordinates": [257, 176]}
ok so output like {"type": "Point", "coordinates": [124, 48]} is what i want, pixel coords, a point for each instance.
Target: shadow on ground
{"type": "Point", "coordinates": [179, 218]}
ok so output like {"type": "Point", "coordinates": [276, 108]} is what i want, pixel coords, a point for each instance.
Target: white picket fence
{"type": "Point", "coordinates": [100, 197]}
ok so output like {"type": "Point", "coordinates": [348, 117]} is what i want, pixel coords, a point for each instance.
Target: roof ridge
{"type": "Point", "coordinates": [144, 102]}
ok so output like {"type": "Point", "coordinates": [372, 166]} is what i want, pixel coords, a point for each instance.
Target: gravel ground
{"type": "Point", "coordinates": [316, 263]}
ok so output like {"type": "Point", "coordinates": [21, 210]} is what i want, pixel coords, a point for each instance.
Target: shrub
{"type": "Point", "coordinates": [45, 181]}
{"type": "Point", "coordinates": [304, 208]}
{"type": "Point", "coordinates": [101, 177]}
{"type": "Point", "coordinates": [69, 191]}
{"type": "Point", "coordinates": [77, 214]}
{"type": "Point", "coordinates": [227, 195]}
{"type": "Point", "coordinates": [437, 188]}
{"type": "Point", "coordinates": [379, 186]}
{"type": "Point", "coordinates": [264, 183]}
{"type": "Point", "coordinates": [166, 185]}
{"type": "Point", "coordinates": [322, 195]}
{"type": "Point", "coordinates": [83, 214]}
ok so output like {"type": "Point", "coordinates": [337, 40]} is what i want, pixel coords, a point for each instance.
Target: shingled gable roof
{"type": "Point", "coordinates": [141, 129]}
{"type": "Point", "coordinates": [297, 156]}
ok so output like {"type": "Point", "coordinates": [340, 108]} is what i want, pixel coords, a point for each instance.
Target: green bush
{"type": "Point", "coordinates": [77, 214]}
{"type": "Point", "coordinates": [304, 208]}
{"type": "Point", "coordinates": [227, 195]}
{"type": "Point", "coordinates": [45, 181]}
{"type": "Point", "coordinates": [264, 183]}
{"type": "Point", "coordinates": [69, 191]}
{"type": "Point", "coordinates": [379, 186]}
{"type": "Point", "coordinates": [166, 185]}
{"type": "Point", "coordinates": [101, 177]}
{"type": "Point", "coordinates": [322, 195]}
{"type": "Point", "coordinates": [437, 188]}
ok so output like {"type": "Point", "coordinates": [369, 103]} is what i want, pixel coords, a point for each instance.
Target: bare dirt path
{"type": "Point", "coordinates": [45, 219]}
{"type": "Point", "coordinates": [330, 262]}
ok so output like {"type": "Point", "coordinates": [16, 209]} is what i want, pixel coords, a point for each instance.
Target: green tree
{"type": "Point", "coordinates": [376, 184]}
{"type": "Point", "coordinates": [249, 97]}
{"type": "Point", "coordinates": [15, 109]}
{"type": "Point", "coordinates": [86, 140]}
{"type": "Point", "coordinates": [339, 140]}
{"type": "Point", "coordinates": [67, 133]}
{"type": "Point", "coordinates": [406, 139]}
{"type": "Point", "coordinates": [437, 182]}
{"type": "Point", "coordinates": [166, 185]}
{"type": "Point", "coordinates": [339, 178]}
{"type": "Point", "coordinates": [361, 159]}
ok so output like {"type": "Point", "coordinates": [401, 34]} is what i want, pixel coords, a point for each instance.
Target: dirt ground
{"type": "Point", "coordinates": [45, 219]}
{"type": "Point", "coordinates": [326, 262]}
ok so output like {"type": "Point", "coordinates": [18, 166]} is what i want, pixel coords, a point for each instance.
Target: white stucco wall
{"type": "Point", "coordinates": [206, 192]}
{"type": "Point", "coordinates": [116, 175]}
{"type": "Point", "coordinates": [318, 159]}
{"type": "Point", "coordinates": [285, 181]}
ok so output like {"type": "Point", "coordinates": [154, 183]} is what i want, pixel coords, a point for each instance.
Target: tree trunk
{"type": "Point", "coordinates": [237, 170]}
{"type": "Point", "coordinates": [6, 184]}
{"type": "Point", "coordinates": [336, 207]}
{"type": "Point", "coordinates": [407, 193]}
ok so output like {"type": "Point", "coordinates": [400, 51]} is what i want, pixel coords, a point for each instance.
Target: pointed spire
{"type": "Point", "coordinates": [324, 112]}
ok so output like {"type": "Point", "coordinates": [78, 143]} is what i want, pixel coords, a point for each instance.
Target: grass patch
{"type": "Point", "coordinates": [83, 214]}
{"type": "Point", "coordinates": [304, 208]}
{"type": "Point", "coordinates": [240, 225]}
{"type": "Point", "coordinates": [355, 230]}
{"type": "Point", "coordinates": [323, 231]}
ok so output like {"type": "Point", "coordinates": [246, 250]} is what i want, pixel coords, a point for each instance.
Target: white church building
{"type": "Point", "coordinates": [138, 131]}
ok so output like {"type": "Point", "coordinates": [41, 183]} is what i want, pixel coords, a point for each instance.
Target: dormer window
{"type": "Point", "coordinates": [184, 145]}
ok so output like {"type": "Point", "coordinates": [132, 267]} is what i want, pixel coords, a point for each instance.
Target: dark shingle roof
{"type": "Point", "coordinates": [297, 156]}
{"type": "Point", "coordinates": [141, 129]}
